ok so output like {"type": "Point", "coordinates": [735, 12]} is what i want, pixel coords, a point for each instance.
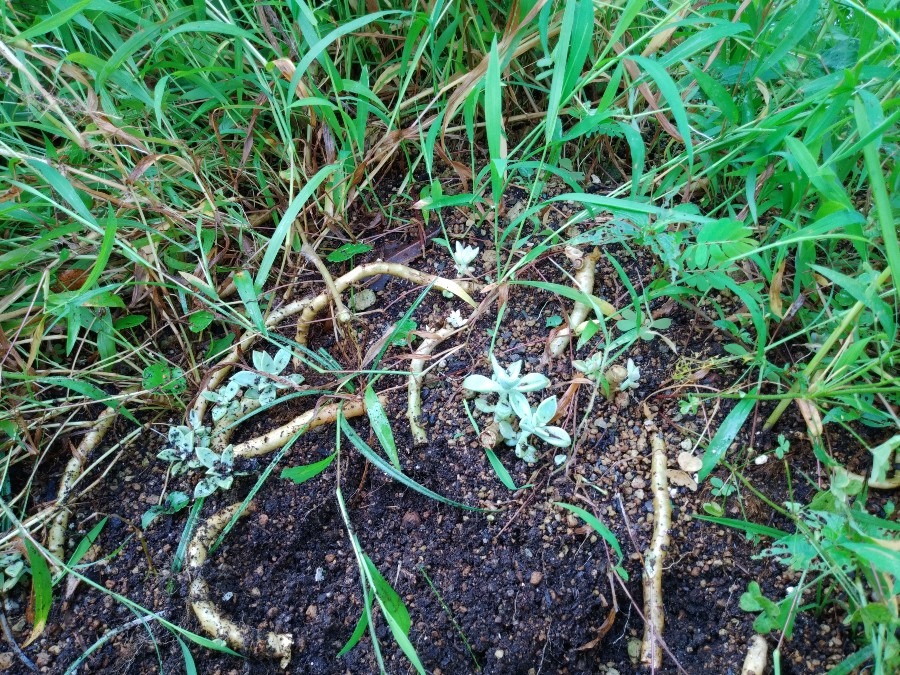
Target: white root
{"type": "Point", "coordinates": [272, 440]}
{"type": "Point", "coordinates": [654, 611]}
{"type": "Point", "coordinates": [584, 282]}
{"type": "Point", "coordinates": [757, 655]}
{"type": "Point", "coordinates": [370, 270]}
{"type": "Point", "coordinates": [343, 314]}
{"type": "Point", "coordinates": [224, 429]}
{"type": "Point", "coordinates": [414, 387]}
{"type": "Point", "coordinates": [238, 637]}
{"type": "Point", "coordinates": [56, 537]}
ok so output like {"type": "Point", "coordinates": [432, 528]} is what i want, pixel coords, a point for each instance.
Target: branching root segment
{"type": "Point", "coordinates": [56, 537]}
{"type": "Point", "coordinates": [414, 386]}
{"type": "Point", "coordinates": [757, 655]}
{"type": "Point", "coordinates": [326, 414]}
{"type": "Point", "coordinates": [584, 282]}
{"type": "Point", "coordinates": [370, 270]}
{"type": "Point", "coordinates": [239, 637]}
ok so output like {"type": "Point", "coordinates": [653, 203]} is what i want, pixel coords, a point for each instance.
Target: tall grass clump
{"type": "Point", "coordinates": [168, 165]}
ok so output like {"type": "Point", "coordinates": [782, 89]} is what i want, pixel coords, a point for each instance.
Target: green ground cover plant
{"type": "Point", "coordinates": [168, 164]}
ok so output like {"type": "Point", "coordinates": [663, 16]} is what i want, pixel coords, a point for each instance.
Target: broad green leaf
{"type": "Point", "coordinates": [301, 474]}
{"type": "Point", "coordinates": [190, 668]}
{"type": "Point", "coordinates": [669, 91]}
{"type": "Point", "coordinates": [54, 21]}
{"type": "Point", "coordinates": [250, 298]}
{"type": "Point", "coordinates": [501, 471]}
{"type": "Point", "coordinates": [358, 632]}
{"type": "Point", "coordinates": [879, 557]}
{"type": "Point", "coordinates": [198, 321]}
{"type": "Point", "coordinates": [347, 251]}
{"type": "Point", "coordinates": [43, 590]}
{"type": "Point", "coordinates": [86, 542]}
{"type": "Point", "coordinates": [387, 597]}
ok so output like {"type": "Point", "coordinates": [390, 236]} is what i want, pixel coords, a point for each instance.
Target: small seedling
{"type": "Point", "coordinates": [510, 387]}
{"type": "Point", "coordinates": [592, 367]}
{"type": "Point", "coordinates": [262, 385]}
{"type": "Point", "coordinates": [783, 447]}
{"type": "Point", "coordinates": [220, 471]}
{"type": "Point", "coordinates": [533, 423]}
{"type": "Point", "coordinates": [720, 488]}
{"type": "Point", "coordinates": [463, 257]}
{"type": "Point", "coordinates": [14, 568]}
{"type": "Point", "coordinates": [174, 502]}
{"type": "Point", "coordinates": [162, 378]}
{"type": "Point", "coordinates": [632, 376]}
{"type": "Point", "coordinates": [503, 382]}
{"type": "Point", "coordinates": [647, 329]}
{"type": "Point", "coordinates": [455, 319]}
{"type": "Point", "coordinates": [689, 405]}
{"type": "Point", "coordinates": [183, 443]}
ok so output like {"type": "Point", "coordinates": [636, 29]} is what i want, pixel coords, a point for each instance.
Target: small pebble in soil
{"type": "Point", "coordinates": [536, 578]}
{"type": "Point", "coordinates": [499, 654]}
{"type": "Point", "coordinates": [411, 520]}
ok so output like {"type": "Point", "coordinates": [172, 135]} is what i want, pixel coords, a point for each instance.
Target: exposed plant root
{"type": "Point", "coordinates": [757, 655]}
{"type": "Point", "coordinates": [11, 640]}
{"type": "Point", "coordinates": [490, 436]}
{"type": "Point", "coordinates": [56, 537]}
{"type": "Point", "coordinates": [224, 429]}
{"type": "Point", "coordinates": [241, 347]}
{"type": "Point", "coordinates": [414, 387]}
{"type": "Point", "coordinates": [239, 637]}
{"type": "Point", "coordinates": [584, 282]}
{"type": "Point", "coordinates": [654, 611]}
{"type": "Point", "coordinates": [889, 484]}
{"type": "Point", "coordinates": [326, 414]}
{"type": "Point", "coordinates": [343, 314]}
{"type": "Point", "coordinates": [370, 270]}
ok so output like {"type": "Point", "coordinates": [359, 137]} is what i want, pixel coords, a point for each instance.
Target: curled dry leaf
{"type": "Point", "coordinates": [689, 462]}
{"type": "Point", "coordinates": [681, 479]}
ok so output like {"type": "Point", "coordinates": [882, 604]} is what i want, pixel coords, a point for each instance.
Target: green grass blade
{"type": "Point", "coordinates": [381, 426]}
{"type": "Point", "coordinates": [726, 433]}
{"type": "Point", "coordinates": [597, 526]}
{"type": "Point", "coordinates": [398, 476]}
{"type": "Point", "coordinates": [273, 246]}
{"type": "Point", "coordinates": [669, 90]}
{"type": "Point", "coordinates": [43, 589]}
{"type": "Point", "coordinates": [301, 474]}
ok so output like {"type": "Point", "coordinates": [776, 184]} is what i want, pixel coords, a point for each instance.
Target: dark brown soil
{"type": "Point", "coordinates": [521, 587]}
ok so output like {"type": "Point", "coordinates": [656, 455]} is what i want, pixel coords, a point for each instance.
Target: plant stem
{"type": "Point", "coordinates": [849, 318]}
